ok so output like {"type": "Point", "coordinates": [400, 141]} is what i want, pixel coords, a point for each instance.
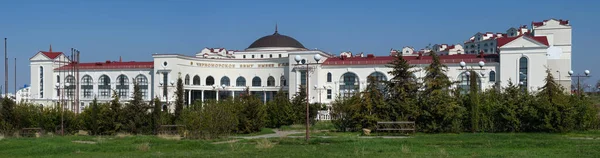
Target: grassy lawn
{"type": "Point", "coordinates": [579, 144]}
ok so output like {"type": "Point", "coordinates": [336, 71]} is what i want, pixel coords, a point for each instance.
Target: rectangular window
{"type": "Point", "coordinates": [303, 78]}
{"type": "Point", "coordinates": [165, 83]}
{"type": "Point", "coordinates": [328, 93]}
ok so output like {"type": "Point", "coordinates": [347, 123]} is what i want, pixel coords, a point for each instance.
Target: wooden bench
{"type": "Point", "coordinates": [396, 126]}
{"type": "Point", "coordinates": [30, 132]}
{"type": "Point", "coordinates": [171, 129]}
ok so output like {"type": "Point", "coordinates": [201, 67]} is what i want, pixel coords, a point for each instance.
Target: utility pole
{"type": "Point", "coordinates": [15, 78]}
{"type": "Point", "coordinates": [5, 69]}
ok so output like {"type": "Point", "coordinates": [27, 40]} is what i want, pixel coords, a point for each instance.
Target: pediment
{"type": "Point", "coordinates": [523, 41]}
{"type": "Point", "coordinates": [38, 56]}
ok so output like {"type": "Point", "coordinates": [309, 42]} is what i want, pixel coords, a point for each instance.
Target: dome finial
{"type": "Point", "coordinates": [276, 29]}
{"type": "Point", "coordinates": [50, 48]}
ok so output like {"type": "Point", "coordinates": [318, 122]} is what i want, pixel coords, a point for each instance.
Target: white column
{"type": "Point", "coordinates": [217, 96]}
{"type": "Point", "coordinates": [202, 96]}
{"type": "Point", "coordinates": [232, 94]}
{"type": "Point", "coordinates": [190, 97]}
{"type": "Point", "coordinates": [264, 97]}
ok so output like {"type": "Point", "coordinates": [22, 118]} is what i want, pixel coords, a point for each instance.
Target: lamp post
{"type": "Point", "coordinates": [468, 71]}
{"type": "Point", "coordinates": [61, 102]}
{"type": "Point", "coordinates": [578, 76]}
{"type": "Point", "coordinates": [300, 61]}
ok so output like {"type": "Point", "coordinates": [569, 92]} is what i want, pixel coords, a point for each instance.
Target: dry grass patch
{"type": "Point", "coordinates": [123, 135]}
{"type": "Point", "coordinates": [169, 136]}
{"type": "Point", "coordinates": [84, 142]}
{"type": "Point", "coordinates": [143, 147]}
{"type": "Point", "coordinates": [264, 144]}
{"type": "Point", "coordinates": [405, 149]}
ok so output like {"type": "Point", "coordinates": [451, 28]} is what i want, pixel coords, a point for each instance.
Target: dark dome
{"type": "Point", "coordinates": [276, 40]}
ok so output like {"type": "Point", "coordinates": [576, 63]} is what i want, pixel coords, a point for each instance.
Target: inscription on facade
{"type": "Point", "coordinates": [215, 65]}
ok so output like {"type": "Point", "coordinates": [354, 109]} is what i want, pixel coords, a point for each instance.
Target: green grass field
{"type": "Point", "coordinates": [581, 144]}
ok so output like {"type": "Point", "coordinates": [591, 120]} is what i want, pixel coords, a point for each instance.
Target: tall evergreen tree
{"type": "Point", "coordinates": [474, 101]}
{"type": "Point", "coordinates": [299, 105]}
{"type": "Point", "coordinates": [136, 111]}
{"type": "Point", "coordinates": [440, 112]}
{"type": "Point", "coordinates": [279, 111]}
{"type": "Point", "coordinates": [115, 107]}
{"type": "Point", "coordinates": [252, 114]}
{"type": "Point", "coordinates": [555, 110]}
{"type": "Point", "coordinates": [179, 101]}
{"type": "Point", "coordinates": [94, 117]}
{"type": "Point", "coordinates": [156, 113]}
{"type": "Point", "coordinates": [402, 90]}
{"type": "Point", "coordinates": [372, 106]}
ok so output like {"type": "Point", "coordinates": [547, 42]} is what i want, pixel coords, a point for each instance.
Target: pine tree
{"type": "Point", "coordinates": [299, 106]}
{"type": "Point", "coordinates": [94, 117]}
{"type": "Point", "coordinates": [372, 106]}
{"type": "Point", "coordinates": [136, 111]}
{"type": "Point", "coordinates": [156, 111]}
{"type": "Point", "coordinates": [439, 111]}
{"type": "Point", "coordinates": [402, 90]}
{"type": "Point", "coordinates": [279, 111]}
{"type": "Point", "coordinates": [557, 114]}
{"type": "Point", "coordinates": [252, 114]}
{"type": "Point", "coordinates": [115, 107]}
{"type": "Point", "coordinates": [179, 101]}
{"type": "Point", "coordinates": [474, 101]}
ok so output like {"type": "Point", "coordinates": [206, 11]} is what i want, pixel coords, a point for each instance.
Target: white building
{"type": "Point", "coordinates": [270, 64]}
{"type": "Point", "coordinates": [23, 95]}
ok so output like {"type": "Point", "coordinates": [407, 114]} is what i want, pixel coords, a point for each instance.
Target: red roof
{"type": "Point", "coordinates": [51, 55]}
{"type": "Point", "coordinates": [382, 60]}
{"type": "Point", "coordinates": [561, 21]}
{"type": "Point", "coordinates": [111, 65]}
{"type": "Point", "coordinates": [505, 40]}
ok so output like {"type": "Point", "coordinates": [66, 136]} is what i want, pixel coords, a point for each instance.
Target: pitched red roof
{"type": "Point", "coordinates": [111, 65]}
{"type": "Point", "coordinates": [561, 21]}
{"type": "Point", "coordinates": [505, 40]}
{"type": "Point", "coordinates": [51, 55]}
{"type": "Point", "coordinates": [382, 60]}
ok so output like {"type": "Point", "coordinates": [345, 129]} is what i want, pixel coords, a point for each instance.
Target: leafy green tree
{"type": "Point", "coordinates": [7, 113]}
{"type": "Point", "coordinates": [179, 100]}
{"type": "Point", "coordinates": [279, 111]}
{"type": "Point", "coordinates": [342, 111]}
{"type": "Point", "coordinates": [402, 91]}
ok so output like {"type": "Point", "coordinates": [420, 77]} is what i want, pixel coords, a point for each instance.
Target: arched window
{"type": "Point", "coordinates": [196, 80]}
{"type": "Point", "coordinates": [70, 90]}
{"type": "Point", "coordinates": [87, 86]}
{"type": "Point", "coordinates": [349, 84]}
{"type": "Point", "coordinates": [187, 79]}
{"type": "Point", "coordinates": [465, 81]}
{"type": "Point", "coordinates": [210, 81]}
{"type": "Point", "coordinates": [256, 82]}
{"type": "Point", "coordinates": [123, 86]}
{"type": "Point", "coordinates": [240, 82]}
{"type": "Point", "coordinates": [492, 76]}
{"type": "Point", "coordinates": [41, 82]}
{"type": "Point", "coordinates": [523, 68]}
{"type": "Point", "coordinates": [271, 81]}
{"type": "Point", "coordinates": [104, 86]}
{"type": "Point", "coordinates": [142, 82]}
{"type": "Point", "coordinates": [282, 81]}
{"type": "Point", "coordinates": [380, 78]}
{"type": "Point", "coordinates": [329, 77]}
{"type": "Point", "coordinates": [225, 81]}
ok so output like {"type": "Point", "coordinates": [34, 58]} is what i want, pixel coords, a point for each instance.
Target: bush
{"type": "Point", "coordinates": [279, 111]}
{"type": "Point", "coordinates": [213, 120]}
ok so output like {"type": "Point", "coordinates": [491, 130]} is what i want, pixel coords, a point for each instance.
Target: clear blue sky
{"type": "Point", "coordinates": [106, 29]}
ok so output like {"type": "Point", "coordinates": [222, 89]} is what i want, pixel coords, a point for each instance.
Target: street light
{"type": "Point", "coordinates": [300, 61]}
{"type": "Point", "coordinates": [578, 76]}
{"type": "Point", "coordinates": [62, 113]}
{"type": "Point", "coordinates": [463, 65]}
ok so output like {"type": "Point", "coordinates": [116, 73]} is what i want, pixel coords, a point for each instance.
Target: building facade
{"type": "Point", "coordinates": [278, 62]}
